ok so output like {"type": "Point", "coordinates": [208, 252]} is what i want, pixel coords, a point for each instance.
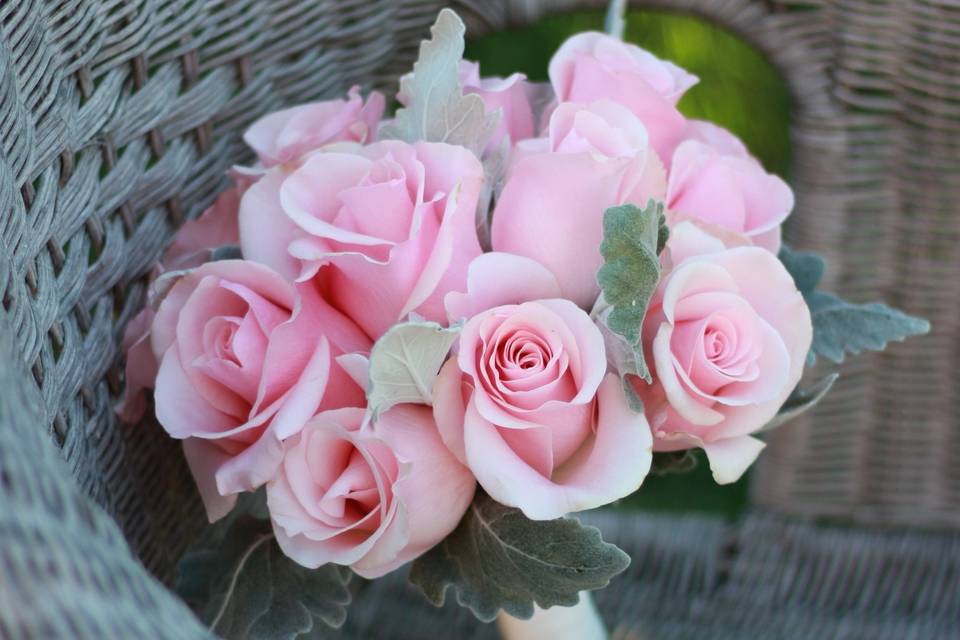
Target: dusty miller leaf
{"type": "Point", "coordinates": [497, 559]}
{"type": "Point", "coordinates": [805, 268]}
{"type": "Point", "coordinates": [437, 110]}
{"type": "Point", "coordinates": [632, 238]}
{"type": "Point", "coordinates": [840, 327]}
{"type": "Point", "coordinates": [801, 400]}
{"type": "Point", "coordinates": [541, 97]}
{"type": "Point", "coordinates": [245, 588]}
{"type": "Point", "coordinates": [495, 171]}
{"type": "Point", "coordinates": [226, 252]}
{"type": "Point", "coordinates": [404, 363]}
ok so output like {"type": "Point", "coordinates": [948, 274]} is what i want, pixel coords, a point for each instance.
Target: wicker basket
{"type": "Point", "coordinates": [119, 117]}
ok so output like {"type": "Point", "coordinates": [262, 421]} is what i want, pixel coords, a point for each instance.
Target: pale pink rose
{"type": "Point", "coordinates": [510, 94]}
{"type": "Point", "coordinates": [593, 66]}
{"type": "Point", "coordinates": [372, 498]}
{"type": "Point", "coordinates": [283, 136]}
{"type": "Point", "coordinates": [265, 230]}
{"type": "Point", "coordinates": [528, 405]}
{"type": "Point", "coordinates": [717, 137]}
{"type": "Point", "coordinates": [726, 337]}
{"type": "Point", "coordinates": [246, 358]}
{"type": "Point", "coordinates": [193, 245]}
{"type": "Point", "coordinates": [694, 237]}
{"type": "Point", "coordinates": [392, 225]}
{"type": "Point", "coordinates": [714, 178]}
{"type": "Point", "coordinates": [552, 205]}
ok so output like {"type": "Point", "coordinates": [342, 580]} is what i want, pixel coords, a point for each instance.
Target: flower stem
{"type": "Point", "coordinates": [616, 18]}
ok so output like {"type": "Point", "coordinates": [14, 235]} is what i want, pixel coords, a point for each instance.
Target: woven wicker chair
{"type": "Point", "coordinates": [117, 121]}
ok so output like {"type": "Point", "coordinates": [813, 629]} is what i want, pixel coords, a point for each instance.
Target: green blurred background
{"type": "Point", "coordinates": [739, 89]}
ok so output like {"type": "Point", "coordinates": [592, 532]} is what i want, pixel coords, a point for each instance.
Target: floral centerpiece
{"type": "Point", "coordinates": [434, 337]}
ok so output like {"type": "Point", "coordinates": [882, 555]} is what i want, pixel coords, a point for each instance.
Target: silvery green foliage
{"type": "Point", "coordinates": [632, 240]}
{"type": "Point", "coordinates": [497, 559]}
{"type": "Point", "coordinates": [246, 588]}
{"type": "Point", "coordinates": [495, 170]}
{"type": "Point", "coordinates": [226, 252]}
{"type": "Point", "coordinates": [404, 363]}
{"type": "Point", "coordinates": [805, 268]}
{"type": "Point", "coordinates": [437, 110]}
{"type": "Point", "coordinates": [801, 400]}
{"type": "Point", "coordinates": [840, 327]}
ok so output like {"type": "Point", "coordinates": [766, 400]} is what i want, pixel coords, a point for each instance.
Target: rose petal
{"type": "Point", "coordinates": [203, 459]}
{"type": "Point", "coordinates": [265, 230]}
{"type": "Point", "coordinates": [731, 457]}
{"type": "Point", "coordinates": [495, 279]}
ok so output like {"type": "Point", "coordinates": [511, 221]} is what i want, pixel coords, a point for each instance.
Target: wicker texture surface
{"type": "Point", "coordinates": [65, 569]}
{"type": "Point", "coordinates": [118, 119]}
{"type": "Point", "coordinates": [767, 578]}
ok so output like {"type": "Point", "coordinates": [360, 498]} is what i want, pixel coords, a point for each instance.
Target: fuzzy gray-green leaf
{"type": "Point", "coordinates": [246, 588]}
{"type": "Point", "coordinates": [404, 363]}
{"type": "Point", "coordinates": [840, 327]}
{"type": "Point", "coordinates": [631, 270]}
{"type": "Point", "coordinates": [436, 109]}
{"type": "Point", "coordinates": [805, 268]}
{"type": "Point", "coordinates": [497, 559]}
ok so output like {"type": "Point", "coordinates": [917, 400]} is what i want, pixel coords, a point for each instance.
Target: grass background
{"type": "Point", "coordinates": [739, 89]}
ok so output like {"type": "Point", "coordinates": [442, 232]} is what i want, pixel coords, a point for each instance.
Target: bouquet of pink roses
{"type": "Point", "coordinates": [431, 338]}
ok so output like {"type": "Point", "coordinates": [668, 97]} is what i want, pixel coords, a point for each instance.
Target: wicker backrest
{"type": "Point", "coordinates": [117, 122]}
{"type": "Point", "coordinates": [876, 140]}
{"type": "Point", "coordinates": [118, 119]}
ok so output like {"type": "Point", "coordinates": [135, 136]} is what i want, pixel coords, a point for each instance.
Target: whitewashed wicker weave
{"type": "Point", "coordinates": [117, 121]}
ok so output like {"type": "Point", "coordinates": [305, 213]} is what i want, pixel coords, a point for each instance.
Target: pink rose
{"type": "Point", "coordinates": [371, 498]}
{"type": "Point", "coordinates": [552, 205]}
{"type": "Point", "coordinates": [593, 66]}
{"type": "Point", "coordinates": [246, 359]}
{"type": "Point", "coordinates": [286, 135]}
{"type": "Point", "coordinates": [527, 403]}
{"type": "Point", "coordinates": [716, 137]}
{"type": "Point", "coordinates": [193, 245]}
{"type": "Point", "coordinates": [726, 337]}
{"type": "Point", "coordinates": [509, 94]}
{"type": "Point", "coordinates": [391, 224]}
{"type": "Point", "coordinates": [714, 178]}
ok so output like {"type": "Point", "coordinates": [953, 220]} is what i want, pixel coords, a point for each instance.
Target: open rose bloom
{"type": "Point", "coordinates": [385, 323]}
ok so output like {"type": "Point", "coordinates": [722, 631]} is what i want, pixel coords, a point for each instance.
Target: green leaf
{"type": "Point", "coordinates": [632, 239]}
{"type": "Point", "coordinates": [840, 327]}
{"type": "Point", "coordinates": [801, 400]}
{"type": "Point", "coordinates": [226, 252]}
{"type": "Point", "coordinates": [245, 588]}
{"type": "Point", "coordinates": [437, 110]}
{"type": "Point", "coordinates": [806, 268]}
{"type": "Point", "coordinates": [495, 171]}
{"type": "Point", "coordinates": [497, 559]}
{"type": "Point", "coordinates": [404, 363]}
